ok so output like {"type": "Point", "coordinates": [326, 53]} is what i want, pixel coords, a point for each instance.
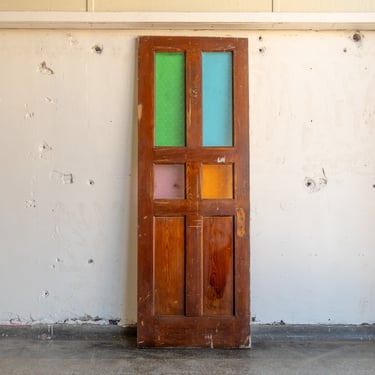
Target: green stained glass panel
{"type": "Point", "coordinates": [170, 99]}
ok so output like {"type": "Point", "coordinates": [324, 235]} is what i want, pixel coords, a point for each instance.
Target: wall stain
{"type": "Point", "coordinates": [44, 148]}
{"type": "Point", "coordinates": [315, 184]}
{"type": "Point", "coordinates": [49, 100]}
{"type": "Point", "coordinates": [357, 37]}
{"type": "Point", "coordinates": [44, 69]}
{"type": "Point", "coordinates": [65, 178]}
{"type": "Point", "coordinates": [30, 203]}
{"type": "Point", "coordinates": [98, 49]}
{"type": "Point", "coordinates": [72, 40]}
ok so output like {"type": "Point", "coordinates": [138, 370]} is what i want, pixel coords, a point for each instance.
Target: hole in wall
{"type": "Point", "coordinates": [357, 37]}
{"type": "Point", "coordinates": [98, 49]}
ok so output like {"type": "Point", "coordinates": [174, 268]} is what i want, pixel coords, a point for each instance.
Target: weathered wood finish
{"type": "Point", "coordinates": [169, 260]}
{"type": "Point", "coordinates": [211, 308]}
{"type": "Point", "coordinates": [218, 265]}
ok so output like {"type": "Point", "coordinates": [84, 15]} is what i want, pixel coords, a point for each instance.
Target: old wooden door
{"type": "Point", "coordinates": [193, 233]}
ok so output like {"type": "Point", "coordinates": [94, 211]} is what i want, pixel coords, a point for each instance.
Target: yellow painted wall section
{"type": "Point", "coordinates": [324, 5]}
{"type": "Point", "coordinates": [190, 6]}
{"type": "Point", "coordinates": [43, 5]}
{"type": "Point", "coordinates": [182, 5]}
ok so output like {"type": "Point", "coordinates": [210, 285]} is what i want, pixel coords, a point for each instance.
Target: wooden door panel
{"type": "Point", "coordinates": [169, 260]}
{"type": "Point", "coordinates": [193, 205]}
{"type": "Point", "coordinates": [218, 265]}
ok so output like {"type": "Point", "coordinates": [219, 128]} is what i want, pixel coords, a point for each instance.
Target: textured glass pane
{"type": "Point", "coordinates": [169, 181]}
{"type": "Point", "coordinates": [169, 99]}
{"type": "Point", "coordinates": [217, 99]}
{"type": "Point", "coordinates": [217, 181]}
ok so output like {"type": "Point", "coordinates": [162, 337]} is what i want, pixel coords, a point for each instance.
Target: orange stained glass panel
{"type": "Point", "coordinates": [217, 181]}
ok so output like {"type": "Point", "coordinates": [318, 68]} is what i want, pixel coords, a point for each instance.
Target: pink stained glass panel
{"type": "Point", "coordinates": [169, 181]}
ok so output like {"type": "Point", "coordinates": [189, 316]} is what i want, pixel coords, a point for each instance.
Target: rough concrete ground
{"type": "Point", "coordinates": [117, 354]}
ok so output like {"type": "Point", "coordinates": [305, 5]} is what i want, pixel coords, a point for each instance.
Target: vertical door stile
{"type": "Point", "coordinates": [145, 180]}
{"type": "Point", "coordinates": [194, 255]}
{"type": "Point", "coordinates": [241, 139]}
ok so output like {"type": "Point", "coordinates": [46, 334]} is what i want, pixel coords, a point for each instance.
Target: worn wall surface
{"type": "Point", "coordinates": [43, 5]}
{"type": "Point", "coordinates": [68, 176]}
{"type": "Point", "coordinates": [184, 6]}
{"type": "Point", "coordinates": [323, 5]}
{"type": "Point", "coordinates": [190, 6]}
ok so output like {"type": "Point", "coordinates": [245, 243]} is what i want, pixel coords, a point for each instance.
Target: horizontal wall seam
{"type": "Point", "coordinates": [187, 21]}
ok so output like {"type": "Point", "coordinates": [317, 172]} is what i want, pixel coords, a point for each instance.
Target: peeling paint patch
{"type": "Point", "coordinates": [15, 321]}
{"type": "Point", "coordinates": [49, 100]}
{"type": "Point", "coordinates": [65, 178]}
{"type": "Point", "coordinates": [57, 236]}
{"type": "Point", "coordinates": [44, 69]}
{"type": "Point", "coordinates": [210, 340]}
{"type": "Point", "coordinates": [29, 115]}
{"type": "Point", "coordinates": [72, 40]}
{"type": "Point", "coordinates": [30, 203]}
{"type": "Point", "coordinates": [315, 184]}
{"type": "Point", "coordinates": [140, 109]}
{"type": "Point", "coordinates": [44, 148]}
{"type": "Point", "coordinates": [114, 322]}
{"type": "Point", "coordinates": [45, 293]}
{"type": "Point", "coordinates": [221, 159]}
{"type": "Point", "coordinates": [87, 319]}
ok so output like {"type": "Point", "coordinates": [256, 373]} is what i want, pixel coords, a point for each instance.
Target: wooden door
{"type": "Point", "coordinates": [193, 181]}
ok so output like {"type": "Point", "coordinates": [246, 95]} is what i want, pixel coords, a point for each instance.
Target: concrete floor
{"type": "Point", "coordinates": [45, 354]}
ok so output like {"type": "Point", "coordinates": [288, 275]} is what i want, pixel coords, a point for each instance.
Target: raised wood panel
{"type": "Point", "coordinates": [184, 6]}
{"type": "Point", "coordinates": [43, 5]}
{"type": "Point", "coordinates": [324, 6]}
{"type": "Point", "coordinates": [169, 259]}
{"type": "Point", "coordinates": [218, 266]}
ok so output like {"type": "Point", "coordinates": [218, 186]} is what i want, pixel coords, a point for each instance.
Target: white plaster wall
{"type": "Point", "coordinates": [313, 109]}
{"type": "Point", "coordinates": [69, 247]}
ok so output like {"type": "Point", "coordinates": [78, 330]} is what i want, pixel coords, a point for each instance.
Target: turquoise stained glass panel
{"type": "Point", "coordinates": [217, 99]}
